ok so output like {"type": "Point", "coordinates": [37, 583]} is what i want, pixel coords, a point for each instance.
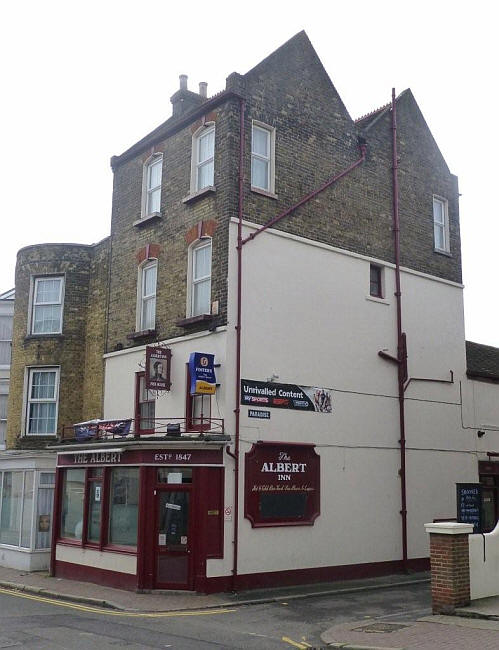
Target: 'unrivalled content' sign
{"type": "Point", "coordinates": [202, 373]}
{"type": "Point", "coordinates": [286, 396]}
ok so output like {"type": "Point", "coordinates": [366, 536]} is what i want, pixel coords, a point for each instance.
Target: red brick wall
{"type": "Point", "coordinates": [450, 572]}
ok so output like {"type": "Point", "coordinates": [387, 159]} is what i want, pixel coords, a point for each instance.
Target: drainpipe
{"type": "Point", "coordinates": [240, 244]}
{"type": "Point", "coordinates": [237, 410]}
{"type": "Point", "coordinates": [401, 338]}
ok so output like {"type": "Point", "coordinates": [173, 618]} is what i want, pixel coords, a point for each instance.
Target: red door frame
{"type": "Point", "coordinates": [190, 547]}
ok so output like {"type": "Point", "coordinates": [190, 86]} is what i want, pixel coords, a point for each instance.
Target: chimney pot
{"type": "Point", "coordinates": [203, 89]}
{"type": "Point", "coordinates": [183, 81]}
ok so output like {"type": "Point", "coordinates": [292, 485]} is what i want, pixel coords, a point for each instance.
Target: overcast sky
{"type": "Point", "coordinates": [84, 81]}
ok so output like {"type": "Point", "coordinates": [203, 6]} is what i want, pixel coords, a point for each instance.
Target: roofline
{"type": "Point", "coordinates": [167, 129]}
{"type": "Point", "coordinates": [61, 243]}
{"type": "Point", "coordinates": [8, 295]}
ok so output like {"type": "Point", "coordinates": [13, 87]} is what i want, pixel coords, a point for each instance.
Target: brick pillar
{"type": "Point", "coordinates": [450, 565]}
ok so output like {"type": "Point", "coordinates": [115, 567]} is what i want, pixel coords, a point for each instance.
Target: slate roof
{"type": "Point", "coordinates": [482, 361]}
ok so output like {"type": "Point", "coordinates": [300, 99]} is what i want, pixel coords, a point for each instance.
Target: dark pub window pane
{"type": "Point", "coordinates": [375, 285]}
{"type": "Point", "coordinates": [283, 505]}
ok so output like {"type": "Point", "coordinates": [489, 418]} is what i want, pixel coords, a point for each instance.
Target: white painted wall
{"type": "Point", "coordinates": [120, 562]}
{"type": "Point", "coordinates": [308, 318]}
{"type": "Point", "coordinates": [484, 564]}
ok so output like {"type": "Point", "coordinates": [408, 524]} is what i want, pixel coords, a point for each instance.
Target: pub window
{"type": "Point", "coordinates": [145, 406]}
{"type": "Point", "coordinates": [123, 506]}
{"type": "Point", "coordinates": [100, 506]}
{"type": "Point", "coordinates": [197, 409]}
{"type": "Point", "coordinates": [73, 492]}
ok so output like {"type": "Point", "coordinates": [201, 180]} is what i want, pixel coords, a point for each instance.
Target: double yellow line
{"type": "Point", "coordinates": [112, 612]}
{"type": "Point", "coordinates": [297, 644]}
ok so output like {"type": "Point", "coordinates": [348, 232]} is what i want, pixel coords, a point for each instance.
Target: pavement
{"type": "Point", "coordinates": [40, 583]}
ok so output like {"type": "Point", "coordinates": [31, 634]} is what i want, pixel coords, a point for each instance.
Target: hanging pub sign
{"type": "Point", "coordinates": [286, 396]}
{"type": "Point", "coordinates": [469, 504]}
{"type": "Point", "coordinates": [202, 373]}
{"type": "Point", "coordinates": [158, 368]}
{"type": "Point", "coordinates": [282, 484]}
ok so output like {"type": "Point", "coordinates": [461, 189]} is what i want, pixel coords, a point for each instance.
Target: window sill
{"type": "Point", "coordinates": [195, 320]}
{"type": "Point", "coordinates": [194, 196]}
{"type": "Point", "coordinates": [40, 436]}
{"type": "Point", "coordinates": [382, 301]}
{"type": "Point", "coordinates": [142, 334]}
{"type": "Point", "coordinates": [440, 251]}
{"type": "Point", "coordinates": [259, 190]}
{"type": "Point", "coordinates": [34, 337]}
{"type": "Point", "coordinates": [149, 219]}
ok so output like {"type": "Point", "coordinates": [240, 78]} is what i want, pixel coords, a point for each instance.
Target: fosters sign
{"type": "Point", "coordinates": [202, 373]}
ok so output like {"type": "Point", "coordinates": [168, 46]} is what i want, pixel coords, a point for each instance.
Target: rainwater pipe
{"type": "Point", "coordinates": [401, 337]}
{"type": "Point", "coordinates": [240, 243]}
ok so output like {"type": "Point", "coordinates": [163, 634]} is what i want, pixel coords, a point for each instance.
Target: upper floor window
{"type": "Point", "coordinates": [42, 398]}
{"type": "Point", "coordinates": [145, 406]}
{"type": "Point", "coordinates": [203, 155]}
{"type": "Point", "coordinates": [146, 303]}
{"type": "Point", "coordinates": [262, 157]}
{"type": "Point", "coordinates": [47, 305]}
{"type": "Point", "coordinates": [200, 290]}
{"type": "Point", "coordinates": [441, 224]}
{"type": "Point", "coordinates": [375, 281]}
{"type": "Point", "coordinates": [5, 339]}
{"type": "Point", "coordinates": [151, 199]}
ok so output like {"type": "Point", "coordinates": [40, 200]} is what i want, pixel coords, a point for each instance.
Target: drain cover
{"type": "Point", "coordinates": [381, 627]}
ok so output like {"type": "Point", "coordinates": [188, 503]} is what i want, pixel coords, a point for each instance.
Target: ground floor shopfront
{"type": "Point", "coordinates": [139, 517]}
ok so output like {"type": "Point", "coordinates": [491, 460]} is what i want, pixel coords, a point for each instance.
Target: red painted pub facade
{"type": "Point", "coordinates": [143, 515]}
{"type": "Point", "coordinates": [138, 516]}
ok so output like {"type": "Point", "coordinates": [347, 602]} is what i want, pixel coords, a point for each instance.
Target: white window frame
{"type": "Point", "coordinates": [203, 131]}
{"type": "Point", "coordinates": [442, 226]}
{"type": "Point", "coordinates": [4, 392]}
{"type": "Point", "coordinates": [156, 158]}
{"type": "Point", "coordinates": [37, 485]}
{"type": "Point", "coordinates": [8, 342]}
{"type": "Point", "coordinates": [28, 400]}
{"type": "Point", "coordinates": [35, 303]}
{"type": "Point", "coordinates": [142, 297]}
{"type": "Point", "coordinates": [270, 159]}
{"type": "Point", "coordinates": [192, 281]}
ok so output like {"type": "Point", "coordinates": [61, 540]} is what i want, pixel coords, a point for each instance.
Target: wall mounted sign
{"type": "Point", "coordinates": [262, 415]}
{"type": "Point", "coordinates": [175, 457]}
{"type": "Point", "coordinates": [282, 484]}
{"type": "Point", "coordinates": [158, 368]}
{"type": "Point", "coordinates": [286, 396]}
{"type": "Point", "coordinates": [469, 505]}
{"type": "Point", "coordinates": [202, 373]}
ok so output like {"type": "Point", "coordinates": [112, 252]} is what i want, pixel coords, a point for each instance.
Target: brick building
{"type": "Point", "coordinates": [267, 231]}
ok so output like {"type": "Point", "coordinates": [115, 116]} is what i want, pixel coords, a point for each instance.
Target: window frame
{"type": "Point", "coordinates": [147, 191]}
{"type": "Point", "coordinates": [103, 543]}
{"type": "Point", "coordinates": [34, 304]}
{"type": "Point", "coordinates": [203, 131]}
{"type": "Point", "coordinates": [30, 370]}
{"type": "Point", "coordinates": [37, 485]}
{"type": "Point", "coordinates": [443, 226]}
{"type": "Point", "coordinates": [142, 298]}
{"type": "Point", "coordinates": [192, 281]}
{"type": "Point", "coordinates": [139, 378]}
{"type": "Point", "coordinates": [9, 318]}
{"type": "Point", "coordinates": [190, 401]}
{"type": "Point", "coordinates": [270, 159]}
{"type": "Point", "coordinates": [379, 281]}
